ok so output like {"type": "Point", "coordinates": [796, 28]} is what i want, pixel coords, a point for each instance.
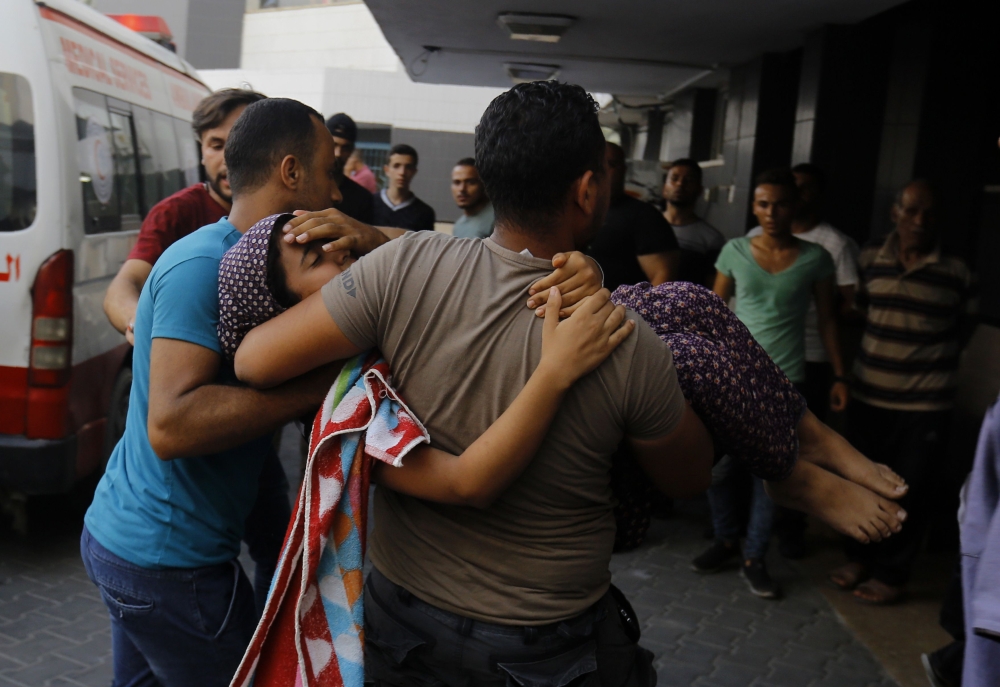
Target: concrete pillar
{"type": "Point", "coordinates": [839, 117]}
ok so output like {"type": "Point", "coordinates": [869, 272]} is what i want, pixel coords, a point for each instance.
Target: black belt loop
{"type": "Point", "coordinates": [465, 629]}
{"type": "Point", "coordinates": [530, 635]}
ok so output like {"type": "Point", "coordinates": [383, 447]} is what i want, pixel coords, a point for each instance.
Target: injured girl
{"type": "Point", "coordinates": [750, 408]}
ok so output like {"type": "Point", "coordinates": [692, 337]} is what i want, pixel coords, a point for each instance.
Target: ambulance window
{"type": "Point", "coordinates": [17, 154]}
{"type": "Point", "coordinates": [189, 150]}
{"type": "Point", "coordinates": [125, 164]}
{"type": "Point", "coordinates": [96, 159]}
{"type": "Point", "coordinates": [150, 163]}
{"type": "Point", "coordinates": [170, 160]}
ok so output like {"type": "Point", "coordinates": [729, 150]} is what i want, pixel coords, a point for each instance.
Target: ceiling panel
{"type": "Point", "coordinates": [616, 46]}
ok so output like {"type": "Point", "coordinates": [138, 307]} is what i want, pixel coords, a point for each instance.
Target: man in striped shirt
{"type": "Point", "coordinates": [917, 299]}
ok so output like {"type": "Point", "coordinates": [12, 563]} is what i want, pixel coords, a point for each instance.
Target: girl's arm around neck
{"type": "Point", "coordinates": [477, 477]}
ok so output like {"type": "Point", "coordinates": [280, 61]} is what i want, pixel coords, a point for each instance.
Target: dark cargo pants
{"type": "Point", "coordinates": [411, 643]}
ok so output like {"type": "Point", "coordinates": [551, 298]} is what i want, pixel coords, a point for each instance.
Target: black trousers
{"type": "Point", "coordinates": [911, 443]}
{"type": "Point", "coordinates": [411, 643]}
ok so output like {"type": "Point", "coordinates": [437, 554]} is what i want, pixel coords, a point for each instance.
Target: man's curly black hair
{"type": "Point", "coordinates": [532, 143]}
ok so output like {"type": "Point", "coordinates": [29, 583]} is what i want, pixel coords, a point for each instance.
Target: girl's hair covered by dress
{"type": "Point", "coordinates": [245, 296]}
{"type": "Point", "coordinates": [745, 400]}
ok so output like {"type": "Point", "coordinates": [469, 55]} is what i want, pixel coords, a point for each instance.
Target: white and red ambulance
{"type": "Point", "coordinates": [94, 130]}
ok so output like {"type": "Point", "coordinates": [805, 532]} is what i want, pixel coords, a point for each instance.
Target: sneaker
{"type": "Point", "coordinates": [715, 557]}
{"type": "Point", "coordinates": [755, 573]}
{"type": "Point", "coordinates": [932, 675]}
{"type": "Point", "coordinates": [944, 666]}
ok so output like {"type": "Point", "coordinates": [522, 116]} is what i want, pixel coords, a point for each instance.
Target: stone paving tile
{"type": "Point", "coordinates": [709, 631]}
{"type": "Point", "coordinates": [704, 630]}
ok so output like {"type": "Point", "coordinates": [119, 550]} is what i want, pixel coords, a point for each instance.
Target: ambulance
{"type": "Point", "coordinates": [95, 128]}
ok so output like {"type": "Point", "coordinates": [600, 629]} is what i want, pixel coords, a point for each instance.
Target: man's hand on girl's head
{"type": "Point", "coordinates": [576, 275]}
{"type": "Point", "coordinates": [345, 233]}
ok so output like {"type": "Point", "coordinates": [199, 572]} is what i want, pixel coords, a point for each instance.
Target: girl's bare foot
{"type": "Point", "coordinates": [847, 507]}
{"type": "Point", "coordinates": [822, 446]}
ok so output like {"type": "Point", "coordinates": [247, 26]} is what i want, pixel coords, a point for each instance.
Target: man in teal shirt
{"type": "Point", "coordinates": [162, 536]}
{"type": "Point", "coordinates": [470, 196]}
{"type": "Point", "coordinates": [774, 277]}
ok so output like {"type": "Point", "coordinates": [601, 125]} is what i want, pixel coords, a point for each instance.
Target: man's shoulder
{"type": "Point", "coordinates": [739, 243]}
{"type": "Point", "coordinates": [186, 207]}
{"type": "Point", "coordinates": [643, 211]}
{"type": "Point", "coordinates": [209, 242]}
{"type": "Point", "coordinates": [954, 266]}
{"type": "Point", "coordinates": [871, 250]}
{"type": "Point", "coordinates": [816, 252]}
{"type": "Point", "coordinates": [422, 206]}
{"type": "Point", "coordinates": [702, 225]}
{"type": "Point", "coordinates": [191, 199]}
{"type": "Point", "coordinates": [734, 252]}
{"type": "Point", "coordinates": [411, 244]}
{"type": "Point", "coordinates": [831, 238]}
{"type": "Point", "coordinates": [646, 341]}
{"type": "Point", "coordinates": [814, 248]}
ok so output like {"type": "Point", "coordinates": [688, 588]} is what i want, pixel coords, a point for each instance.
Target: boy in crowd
{"type": "Point", "coordinates": [774, 277]}
{"type": "Point", "coordinates": [918, 302]}
{"type": "Point", "coordinates": [360, 173]}
{"type": "Point", "coordinates": [395, 205]}
{"type": "Point", "coordinates": [698, 240]}
{"type": "Point", "coordinates": [467, 188]}
{"type": "Point", "coordinates": [808, 225]}
{"type": "Point", "coordinates": [357, 202]}
{"type": "Point", "coordinates": [635, 243]}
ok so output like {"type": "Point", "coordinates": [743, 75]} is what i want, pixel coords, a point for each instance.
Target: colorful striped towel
{"type": "Point", "coordinates": [312, 630]}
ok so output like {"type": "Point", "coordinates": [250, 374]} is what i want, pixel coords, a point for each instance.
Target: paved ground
{"type": "Point", "coordinates": [53, 626]}
{"type": "Point", "coordinates": [705, 630]}
{"type": "Point", "coordinates": [709, 631]}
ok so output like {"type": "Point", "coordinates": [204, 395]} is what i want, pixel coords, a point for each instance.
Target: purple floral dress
{"type": "Point", "coordinates": [744, 399]}
{"type": "Point", "coordinates": [746, 402]}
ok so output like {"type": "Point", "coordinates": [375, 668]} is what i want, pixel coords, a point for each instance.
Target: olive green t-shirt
{"type": "Point", "coordinates": [774, 306]}
{"type": "Point", "coordinates": [449, 316]}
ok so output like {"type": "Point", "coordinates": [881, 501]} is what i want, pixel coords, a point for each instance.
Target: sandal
{"type": "Point", "coordinates": [848, 576]}
{"type": "Point", "coordinates": [876, 593]}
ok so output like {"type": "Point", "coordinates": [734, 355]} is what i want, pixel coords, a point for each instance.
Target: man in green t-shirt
{"type": "Point", "coordinates": [774, 277]}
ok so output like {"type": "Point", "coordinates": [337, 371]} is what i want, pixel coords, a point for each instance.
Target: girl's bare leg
{"type": "Point", "coordinates": [824, 447]}
{"type": "Point", "coordinates": [846, 506]}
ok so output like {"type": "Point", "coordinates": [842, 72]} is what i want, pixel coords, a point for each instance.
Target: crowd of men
{"type": "Point", "coordinates": [792, 280]}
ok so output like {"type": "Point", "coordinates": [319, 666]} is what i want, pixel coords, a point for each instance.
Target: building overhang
{"type": "Point", "coordinates": [634, 47]}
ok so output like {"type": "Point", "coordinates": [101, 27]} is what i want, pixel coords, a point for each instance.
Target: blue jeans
{"type": "Point", "coordinates": [264, 528]}
{"type": "Point", "coordinates": [175, 627]}
{"type": "Point", "coordinates": [726, 498]}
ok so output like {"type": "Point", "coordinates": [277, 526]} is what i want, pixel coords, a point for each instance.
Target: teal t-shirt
{"type": "Point", "coordinates": [774, 306]}
{"type": "Point", "coordinates": [479, 226]}
{"type": "Point", "coordinates": [188, 512]}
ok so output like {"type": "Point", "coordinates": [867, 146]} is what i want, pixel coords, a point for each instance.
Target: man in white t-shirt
{"type": "Point", "coordinates": [808, 226]}
{"type": "Point", "coordinates": [698, 240]}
